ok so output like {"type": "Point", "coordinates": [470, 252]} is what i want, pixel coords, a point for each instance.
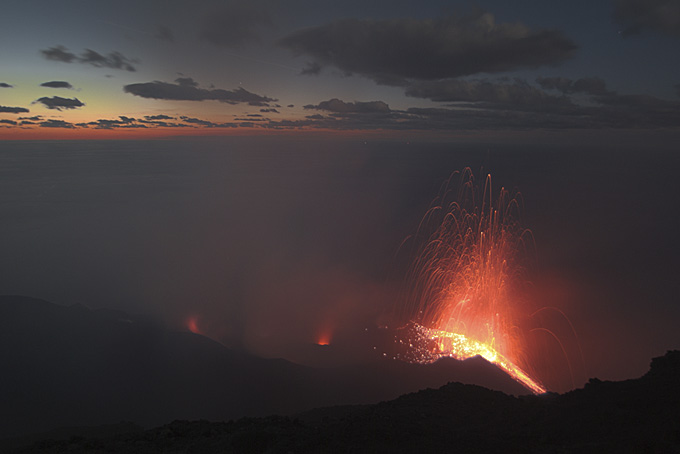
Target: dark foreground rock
{"type": "Point", "coordinates": [636, 416]}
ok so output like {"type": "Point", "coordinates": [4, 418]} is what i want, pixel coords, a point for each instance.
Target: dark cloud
{"type": "Point", "coordinates": [206, 123]}
{"type": "Point", "coordinates": [187, 82]}
{"type": "Point", "coordinates": [516, 94]}
{"type": "Point", "coordinates": [272, 110]}
{"type": "Point", "coordinates": [197, 121]}
{"type": "Point", "coordinates": [158, 117]}
{"type": "Point", "coordinates": [677, 88]}
{"type": "Point", "coordinates": [56, 124]}
{"type": "Point", "coordinates": [59, 103]}
{"type": "Point", "coordinates": [639, 111]}
{"type": "Point", "coordinates": [394, 51]}
{"type": "Point", "coordinates": [589, 85]}
{"type": "Point", "coordinates": [611, 109]}
{"type": "Point", "coordinates": [164, 124]}
{"type": "Point", "coordinates": [5, 85]}
{"type": "Point", "coordinates": [662, 16]}
{"type": "Point", "coordinates": [433, 119]}
{"type": "Point", "coordinates": [236, 23]}
{"type": "Point", "coordinates": [186, 89]}
{"type": "Point", "coordinates": [336, 105]}
{"type": "Point", "coordinates": [6, 109]}
{"type": "Point", "coordinates": [583, 103]}
{"type": "Point", "coordinates": [312, 68]}
{"type": "Point", "coordinates": [499, 105]}
{"type": "Point", "coordinates": [164, 34]}
{"type": "Point", "coordinates": [59, 53]}
{"type": "Point", "coordinates": [56, 84]}
{"type": "Point", "coordinates": [123, 122]}
{"type": "Point", "coordinates": [114, 60]}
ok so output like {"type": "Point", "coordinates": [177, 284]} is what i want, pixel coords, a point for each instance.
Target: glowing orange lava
{"type": "Point", "coordinates": [323, 339]}
{"type": "Point", "coordinates": [463, 283]}
{"type": "Point", "coordinates": [192, 325]}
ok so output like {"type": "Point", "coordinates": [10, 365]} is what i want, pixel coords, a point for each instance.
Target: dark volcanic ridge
{"type": "Point", "coordinates": [632, 416]}
{"type": "Point", "coordinates": [69, 366]}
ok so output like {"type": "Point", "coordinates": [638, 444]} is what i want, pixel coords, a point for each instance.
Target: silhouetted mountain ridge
{"type": "Point", "coordinates": [73, 366]}
{"type": "Point", "coordinates": [631, 416]}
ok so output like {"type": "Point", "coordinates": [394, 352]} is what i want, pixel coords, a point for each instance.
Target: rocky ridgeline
{"type": "Point", "coordinates": [639, 415]}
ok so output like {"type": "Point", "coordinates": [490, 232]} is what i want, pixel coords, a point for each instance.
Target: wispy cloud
{"type": "Point", "coordinates": [164, 34]}
{"type": "Point", "coordinates": [113, 60]}
{"type": "Point", "coordinates": [516, 94]}
{"type": "Point", "coordinates": [186, 89]}
{"type": "Point", "coordinates": [336, 105]}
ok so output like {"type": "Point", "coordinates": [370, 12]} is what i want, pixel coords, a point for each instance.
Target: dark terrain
{"type": "Point", "coordinates": [72, 366]}
{"type": "Point", "coordinates": [637, 415]}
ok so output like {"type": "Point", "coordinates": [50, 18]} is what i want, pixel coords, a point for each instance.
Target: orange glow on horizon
{"type": "Point", "coordinates": [38, 133]}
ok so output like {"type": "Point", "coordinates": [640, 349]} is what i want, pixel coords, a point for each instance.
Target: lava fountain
{"type": "Point", "coordinates": [463, 284]}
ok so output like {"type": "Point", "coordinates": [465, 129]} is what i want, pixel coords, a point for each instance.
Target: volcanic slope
{"type": "Point", "coordinates": [66, 366]}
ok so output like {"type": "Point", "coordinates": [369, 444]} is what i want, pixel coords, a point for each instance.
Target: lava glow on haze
{"type": "Point", "coordinates": [324, 339]}
{"type": "Point", "coordinates": [462, 298]}
{"type": "Point", "coordinates": [192, 325]}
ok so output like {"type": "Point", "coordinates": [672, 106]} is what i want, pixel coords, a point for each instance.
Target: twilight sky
{"type": "Point", "coordinates": [81, 69]}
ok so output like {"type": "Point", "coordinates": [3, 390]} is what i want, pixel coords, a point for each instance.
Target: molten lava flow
{"type": "Point", "coordinates": [463, 282]}
{"type": "Point", "coordinates": [460, 347]}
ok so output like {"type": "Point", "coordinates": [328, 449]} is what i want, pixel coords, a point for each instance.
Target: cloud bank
{"type": "Point", "coordinates": [186, 89]}
{"type": "Point", "coordinates": [336, 105]}
{"type": "Point", "coordinates": [394, 51]}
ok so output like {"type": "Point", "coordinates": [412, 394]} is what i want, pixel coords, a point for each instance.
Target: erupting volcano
{"type": "Point", "coordinates": [463, 294]}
